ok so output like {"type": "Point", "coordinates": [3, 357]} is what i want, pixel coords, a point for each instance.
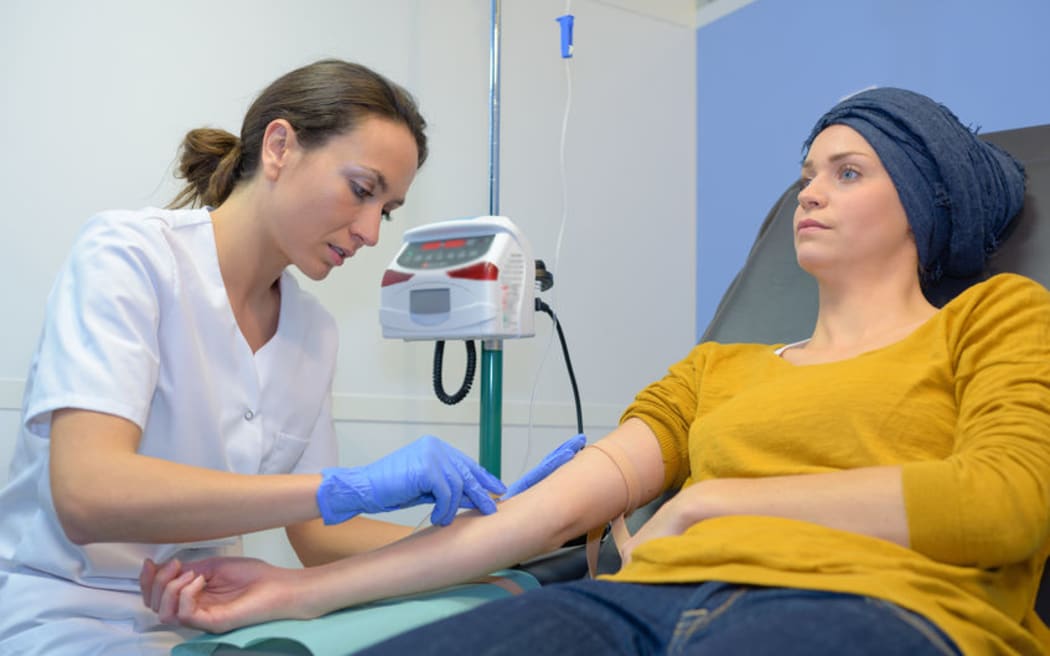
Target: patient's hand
{"type": "Point", "coordinates": [218, 594]}
{"type": "Point", "coordinates": [673, 518]}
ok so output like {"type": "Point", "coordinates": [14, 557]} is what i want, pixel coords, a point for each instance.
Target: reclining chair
{"type": "Point", "coordinates": [772, 300]}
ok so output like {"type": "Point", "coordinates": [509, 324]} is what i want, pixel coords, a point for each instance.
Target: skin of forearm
{"type": "Point", "coordinates": [316, 544]}
{"type": "Point", "coordinates": [104, 491]}
{"type": "Point", "coordinates": [428, 560]}
{"type": "Point", "coordinates": [140, 499]}
{"type": "Point", "coordinates": [868, 501]}
{"type": "Point", "coordinates": [582, 494]}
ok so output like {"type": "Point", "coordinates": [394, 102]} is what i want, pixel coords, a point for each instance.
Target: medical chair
{"type": "Point", "coordinates": [772, 300]}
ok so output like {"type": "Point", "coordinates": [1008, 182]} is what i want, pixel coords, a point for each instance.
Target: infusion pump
{"type": "Point", "coordinates": [469, 278]}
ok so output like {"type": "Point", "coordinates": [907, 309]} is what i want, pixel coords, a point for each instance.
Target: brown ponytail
{"type": "Point", "coordinates": [208, 161]}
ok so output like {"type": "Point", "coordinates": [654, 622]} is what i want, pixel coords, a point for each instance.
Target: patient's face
{"type": "Point", "coordinates": [849, 214]}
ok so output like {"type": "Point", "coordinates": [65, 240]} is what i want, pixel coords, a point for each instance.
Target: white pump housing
{"type": "Point", "coordinates": [469, 278]}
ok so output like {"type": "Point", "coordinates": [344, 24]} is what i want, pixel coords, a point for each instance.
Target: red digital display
{"type": "Point", "coordinates": [444, 253]}
{"type": "Point", "coordinates": [450, 243]}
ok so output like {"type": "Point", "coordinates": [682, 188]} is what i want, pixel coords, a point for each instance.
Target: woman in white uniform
{"type": "Point", "coordinates": [180, 393]}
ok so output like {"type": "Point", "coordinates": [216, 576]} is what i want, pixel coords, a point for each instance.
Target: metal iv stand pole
{"type": "Point", "coordinates": [490, 455]}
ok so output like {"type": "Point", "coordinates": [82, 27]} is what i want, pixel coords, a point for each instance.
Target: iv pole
{"type": "Point", "coordinates": [489, 451]}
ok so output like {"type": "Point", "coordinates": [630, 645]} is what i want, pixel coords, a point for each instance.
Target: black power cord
{"type": "Point", "coordinates": [545, 279]}
{"type": "Point", "coordinates": [468, 375]}
{"type": "Point", "coordinates": [543, 307]}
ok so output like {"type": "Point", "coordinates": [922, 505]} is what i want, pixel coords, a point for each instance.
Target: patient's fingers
{"type": "Point", "coordinates": [168, 606]}
{"type": "Point", "coordinates": [146, 574]}
{"type": "Point", "coordinates": [188, 600]}
{"type": "Point", "coordinates": [161, 578]}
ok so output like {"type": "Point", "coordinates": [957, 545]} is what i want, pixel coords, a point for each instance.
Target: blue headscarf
{"type": "Point", "coordinates": [959, 192]}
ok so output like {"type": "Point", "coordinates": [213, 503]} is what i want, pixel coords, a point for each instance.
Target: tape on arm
{"type": "Point", "coordinates": [620, 534]}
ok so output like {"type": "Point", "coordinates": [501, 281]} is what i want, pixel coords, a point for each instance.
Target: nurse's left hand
{"type": "Point", "coordinates": [556, 458]}
{"type": "Point", "coordinates": [220, 594]}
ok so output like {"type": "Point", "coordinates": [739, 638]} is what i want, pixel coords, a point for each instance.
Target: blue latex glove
{"type": "Point", "coordinates": [426, 471]}
{"type": "Point", "coordinates": [554, 459]}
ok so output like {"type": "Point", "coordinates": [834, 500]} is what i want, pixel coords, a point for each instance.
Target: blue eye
{"type": "Point", "coordinates": [850, 173]}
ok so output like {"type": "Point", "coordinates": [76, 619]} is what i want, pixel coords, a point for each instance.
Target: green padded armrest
{"type": "Point", "coordinates": [347, 631]}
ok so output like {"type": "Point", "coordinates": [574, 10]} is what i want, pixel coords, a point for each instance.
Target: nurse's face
{"type": "Point", "coordinates": [849, 213]}
{"type": "Point", "coordinates": [328, 201]}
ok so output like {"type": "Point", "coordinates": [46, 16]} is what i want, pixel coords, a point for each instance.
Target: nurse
{"type": "Point", "coordinates": [180, 393]}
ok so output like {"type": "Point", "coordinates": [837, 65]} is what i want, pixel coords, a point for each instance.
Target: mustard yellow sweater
{"type": "Point", "coordinates": [962, 405]}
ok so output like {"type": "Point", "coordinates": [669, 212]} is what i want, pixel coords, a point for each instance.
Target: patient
{"type": "Point", "coordinates": [881, 487]}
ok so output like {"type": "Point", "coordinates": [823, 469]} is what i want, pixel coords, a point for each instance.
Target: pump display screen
{"type": "Point", "coordinates": [441, 253]}
{"type": "Point", "coordinates": [429, 301]}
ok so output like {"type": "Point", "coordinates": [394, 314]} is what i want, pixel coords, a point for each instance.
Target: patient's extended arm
{"type": "Point", "coordinates": [219, 594]}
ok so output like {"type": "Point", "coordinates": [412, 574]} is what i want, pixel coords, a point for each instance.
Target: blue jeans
{"type": "Point", "coordinates": [602, 617]}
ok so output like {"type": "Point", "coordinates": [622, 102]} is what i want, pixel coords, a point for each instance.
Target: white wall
{"type": "Point", "coordinates": [96, 97]}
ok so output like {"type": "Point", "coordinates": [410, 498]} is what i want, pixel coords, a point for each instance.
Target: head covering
{"type": "Point", "coordinates": [959, 192]}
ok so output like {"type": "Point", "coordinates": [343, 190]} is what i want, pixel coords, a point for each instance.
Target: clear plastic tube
{"type": "Point", "coordinates": [563, 177]}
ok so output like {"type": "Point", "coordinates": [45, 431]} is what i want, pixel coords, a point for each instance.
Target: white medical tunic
{"type": "Point", "coordinates": [139, 325]}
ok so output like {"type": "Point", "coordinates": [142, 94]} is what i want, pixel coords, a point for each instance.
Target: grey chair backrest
{"type": "Point", "coordinates": [772, 300]}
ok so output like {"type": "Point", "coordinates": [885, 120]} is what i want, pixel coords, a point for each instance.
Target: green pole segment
{"type": "Point", "coordinates": [490, 456]}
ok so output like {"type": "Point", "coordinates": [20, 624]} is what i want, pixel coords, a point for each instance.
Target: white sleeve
{"type": "Point", "coordinates": [99, 349]}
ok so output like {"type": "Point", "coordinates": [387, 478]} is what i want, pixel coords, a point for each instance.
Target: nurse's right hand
{"type": "Point", "coordinates": [426, 471]}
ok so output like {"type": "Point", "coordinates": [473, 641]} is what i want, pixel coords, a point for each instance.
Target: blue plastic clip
{"type": "Point", "coordinates": [566, 35]}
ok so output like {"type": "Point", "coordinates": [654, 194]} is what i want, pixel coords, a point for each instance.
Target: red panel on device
{"type": "Point", "coordinates": [391, 277]}
{"type": "Point", "coordinates": [479, 271]}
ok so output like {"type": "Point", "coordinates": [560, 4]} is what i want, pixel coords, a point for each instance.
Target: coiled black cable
{"type": "Point", "coordinates": [543, 307]}
{"type": "Point", "coordinates": [468, 375]}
